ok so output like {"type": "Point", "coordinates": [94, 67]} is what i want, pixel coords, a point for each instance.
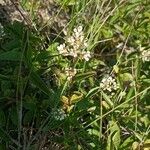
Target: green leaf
{"type": "Point", "coordinates": [7, 138]}
{"type": "Point", "coordinates": [53, 47]}
{"type": "Point", "coordinates": [26, 49]}
{"type": "Point", "coordinates": [77, 96]}
{"type": "Point", "coordinates": [127, 143]}
{"type": "Point", "coordinates": [3, 135]}
{"type": "Point", "coordinates": [2, 147]}
{"type": "Point", "coordinates": [15, 30]}
{"type": "Point", "coordinates": [29, 105]}
{"type": "Point", "coordinates": [116, 68]}
{"type": "Point", "coordinates": [93, 91]}
{"type": "Point", "coordinates": [115, 131]}
{"type": "Point", "coordinates": [146, 81]}
{"type": "Point", "coordinates": [85, 75]}
{"type": "Point", "coordinates": [116, 139]}
{"type": "Point", "coordinates": [105, 105]}
{"type": "Point", "coordinates": [2, 118]}
{"type": "Point", "coordinates": [109, 142]}
{"type": "Point", "coordinates": [12, 55]}
{"type": "Point", "coordinates": [130, 94]}
{"type": "Point", "coordinates": [35, 78]}
{"type": "Point", "coordinates": [11, 45]}
{"type": "Point", "coordinates": [28, 117]}
{"type": "Point", "coordinates": [14, 116]}
{"type": "Point", "coordinates": [107, 99]}
{"type": "Point", "coordinates": [5, 85]}
{"type": "Point", "coordinates": [40, 84]}
{"type": "Point", "coordinates": [3, 77]}
{"type": "Point", "coordinates": [126, 77]}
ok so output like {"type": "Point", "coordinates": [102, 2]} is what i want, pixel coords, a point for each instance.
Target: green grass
{"type": "Point", "coordinates": [44, 104]}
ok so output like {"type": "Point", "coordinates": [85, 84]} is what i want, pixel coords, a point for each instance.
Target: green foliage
{"type": "Point", "coordinates": [92, 94]}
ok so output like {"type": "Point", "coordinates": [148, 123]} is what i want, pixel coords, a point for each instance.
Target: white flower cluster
{"type": "Point", "coordinates": [108, 83]}
{"type": "Point", "coordinates": [70, 73]}
{"type": "Point", "coordinates": [75, 45]}
{"type": "Point", "coordinates": [145, 55]}
{"type": "Point", "coordinates": [59, 114]}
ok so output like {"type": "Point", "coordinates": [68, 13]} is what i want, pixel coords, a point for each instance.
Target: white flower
{"type": "Point", "coordinates": [62, 49]}
{"type": "Point", "coordinates": [75, 44]}
{"type": "Point", "coordinates": [59, 114]}
{"type": "Point", "coordinates": [85, 44]}
{"type": "Point", "coordinates": [78, 31]}
{"type": "Point", "coordinates": [70, 73]}
{"type": "Point", "coordinates": [108, 83]}
{"type": "Point", "coordinates": [71, 40]}
{"type": "Point", "coordinates": [65, 31]}
{"type": "Point", "coordinates": [145, 55]}
{"type": "Point", "coordinates": [78, 36]}
{"type": "Point", "coordinates": [80, 28]}
{"type": "Point", "coordinates": [73, 53]}
{"type": "Point", "coordinates": [86, 55]}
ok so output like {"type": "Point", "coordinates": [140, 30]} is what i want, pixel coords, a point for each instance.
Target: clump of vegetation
{"type": "Point", "coordinates": [75, 75]}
